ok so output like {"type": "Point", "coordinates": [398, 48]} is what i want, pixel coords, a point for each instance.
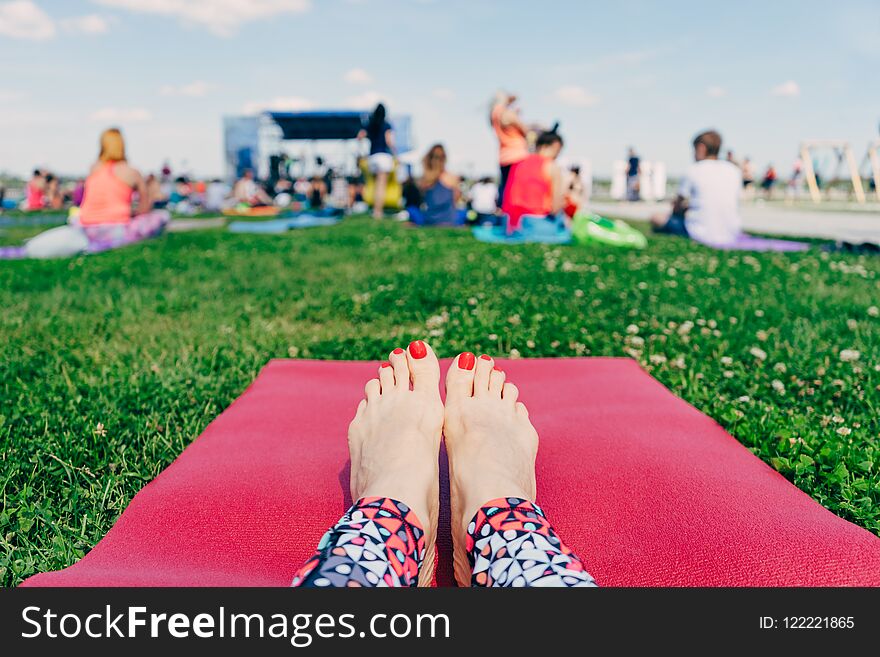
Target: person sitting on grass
{"type": "Point", "coordinates": [248, 192]}
{"type": "Point", "coordinates": [535, 185]}
{"type": "Point", "coordinates": [440, 191]}
{"type": "Point", "coordinates": [317, 193]}
{"type": "Point", "coordinates": [484, 201]}
{"type": "Point", "coordinates": [500, 536]}
{"type": "Point", "coordinates": [106, 211]}
{"type": "Point", "coordinates": [35, 192]}
{"type": "Point", "coordinates": [105, 220]}
{"type": "Point", "coordinates": [706, 208]}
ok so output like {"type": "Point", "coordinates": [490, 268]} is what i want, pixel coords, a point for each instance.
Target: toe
{"type": "Point", "coordinates": [424, 368]}
{"type": "Point", "coordinates": [386, 376]}
{"type": "Point", "coordinates": [510, 393]}
{"type": "Point", "coordinates": [460, 377]}
{"type": "Point", "coordinates": [482, 373]}
{"type": "Point", "coordinates": [496, 382]}
{"type": "Point", "coordinates": [397, 358]}
{"type": "Point", "coordinates": [521, 409]}
{"type": "Point", "coordinates": [373, 389]}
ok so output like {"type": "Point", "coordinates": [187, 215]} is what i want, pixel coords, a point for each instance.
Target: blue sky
{"type": "Point", "coordinates": [651, 74]}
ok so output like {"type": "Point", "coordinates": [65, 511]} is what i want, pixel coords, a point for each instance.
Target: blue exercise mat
{"type": "Point", "coordinates": [532, 230]}
{"type": "Point", "coordinates": [32, 220]}
{"type": "Point", "coordinates": [276, 226]}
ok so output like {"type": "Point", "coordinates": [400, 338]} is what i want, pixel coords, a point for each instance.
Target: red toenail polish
{"type": "Point", "coordinates": [485, 357]}
{"type": "Point", "coordinates": [417, 349]}
{"type": "Point", "coordinates": [398, 351]}
{"type": "Point", "coordinates": [496, 368]}
{"type": "Point", "coordinates": [466, 361]}
{"type": "Point", "coordinates": [385, 365]}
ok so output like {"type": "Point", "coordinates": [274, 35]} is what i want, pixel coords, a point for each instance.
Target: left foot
{"type": "Point", "coordinates": [394, 440]}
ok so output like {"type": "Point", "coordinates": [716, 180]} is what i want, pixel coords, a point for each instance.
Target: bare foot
{"type": "Point", "coordinates": [394, 439]}
{"type": "Point", "coordinates": [491, 445]}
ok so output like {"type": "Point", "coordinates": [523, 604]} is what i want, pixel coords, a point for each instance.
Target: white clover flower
{"type": "Point", "coordinates": [636, 341]}
{"type": "Point", "coordinates": [761, 335]}
{"type": "Point", "coordinates": [780, 367]}
{"type": "Point", "coordinates": [726, 360]}
{"type": "Point", "coordinates": [849, 355]}
{"type": "Point", "coordinates": [760, 354]}
{"type": "Point", "coordinates": [778, 386]}
{"type": "Point", "coordinates": [874, 311]}
{"type": "Point", "coordinates": [844, 431]}
{"type": "Point", "coordinates": [514, 353]}
{"type": "Point", "coordinates": [657, 359]}
{"type": "Point", "coordinates": [530, 344]}
{"type": "Point", "coordinates": [745, 399]}
{"type": "Point", "coordinates": [727, 374]}
{"type": "Point", "coordinates": [759, 313]}
{"type": "Point", "coordinates": [837, 419]}
{"type": "Point", "coordinates": [852, 324]}
{"type": "Point", "coordinates": [632, 329]}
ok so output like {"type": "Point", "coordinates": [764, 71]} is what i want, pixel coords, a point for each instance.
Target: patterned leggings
{"type": "Point", "coordinates": [380, 542]}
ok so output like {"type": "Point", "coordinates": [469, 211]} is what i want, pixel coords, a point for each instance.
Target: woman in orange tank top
{"type": "Point", "coordinates": [111, 185]}
{"type": "Point", "coordinates": [513, 147]}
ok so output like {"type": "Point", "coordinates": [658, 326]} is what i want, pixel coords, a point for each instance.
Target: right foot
{"type": "Point", "coordinates": [491, 446]}
{"type": "Point", "coordinates": [394, 440]}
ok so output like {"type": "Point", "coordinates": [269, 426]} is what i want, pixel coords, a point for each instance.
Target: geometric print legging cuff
{"type": "Point", "coordinates": [380, 542]}
{"type": "Point", "coordinates": [511, 543]}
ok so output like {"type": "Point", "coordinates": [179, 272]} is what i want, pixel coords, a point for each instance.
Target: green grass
{"type": "Point", "coordinates": [111, 364]}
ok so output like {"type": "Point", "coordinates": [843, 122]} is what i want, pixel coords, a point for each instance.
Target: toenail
{"type": "Point", "coordinates": [385, 365]}
{"type": "Point", "coordinates": [398, 350]}
{"type": "Point", "coordinates": [485, 357]}
{"type": "Point", "coordinates": [496, 368]}
{"type": "Point", "coordinates": [417, 349]}
{"type": "Point", "coordinates": [466, 361]}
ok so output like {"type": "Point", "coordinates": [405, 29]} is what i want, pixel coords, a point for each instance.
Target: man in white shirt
{"type": "Point", "coordinates": [706, 208]}
{"type": "Point", "coordinates": [483, 197]}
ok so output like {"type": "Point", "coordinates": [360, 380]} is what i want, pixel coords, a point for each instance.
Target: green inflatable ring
{"type": "Point", "coordinates": [588, 228]}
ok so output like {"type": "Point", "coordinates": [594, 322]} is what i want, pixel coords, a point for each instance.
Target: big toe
{"type": "Point", "coordinates": [460, 377]}
{"type": "Point", "coordinates": [424, 368]}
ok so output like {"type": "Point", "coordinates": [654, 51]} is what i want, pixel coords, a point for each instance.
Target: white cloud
{"type": "Point", "coordinates": [357, 76]}
{"type": "Point", "coordinates": [789, 88]}
{"type": "Point", "coordinates": [89, 24]}
{"type": "Point", "coordinates": [290, 104]}
{"type": "Point", "coordinates": [22, 19]}
{"type": "Point", "coordinates": [715, 91]}
{"type": "Point", "coordinates": [221, 17]}
{"type": "Point", "coordinates": [366, 100]}
{"type": "Point", "coordinates": [443, 93]}
{"type": "Point", "coordinates": [121, 115]}
{"type": "Point", "coordinates": [575, 96]}
{"type": "Point", "coordinates": [195, 89]}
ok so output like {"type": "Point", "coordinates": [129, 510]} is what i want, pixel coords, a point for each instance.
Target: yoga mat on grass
{"type": "Point", "coordinates": [190, 225]}
{"type": "Point", "coordinates": [746, 242]}
{"type": "Point", "coordinates": [646, 489]}
{"type": "Point", "coordinates": [278, 226]}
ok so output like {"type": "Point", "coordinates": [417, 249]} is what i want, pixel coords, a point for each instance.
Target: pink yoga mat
{"type": "Point", "coordinates": [647, 490]}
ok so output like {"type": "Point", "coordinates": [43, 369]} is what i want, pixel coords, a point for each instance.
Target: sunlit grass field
{"type": "Point", "coordinates": [111, 364]}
